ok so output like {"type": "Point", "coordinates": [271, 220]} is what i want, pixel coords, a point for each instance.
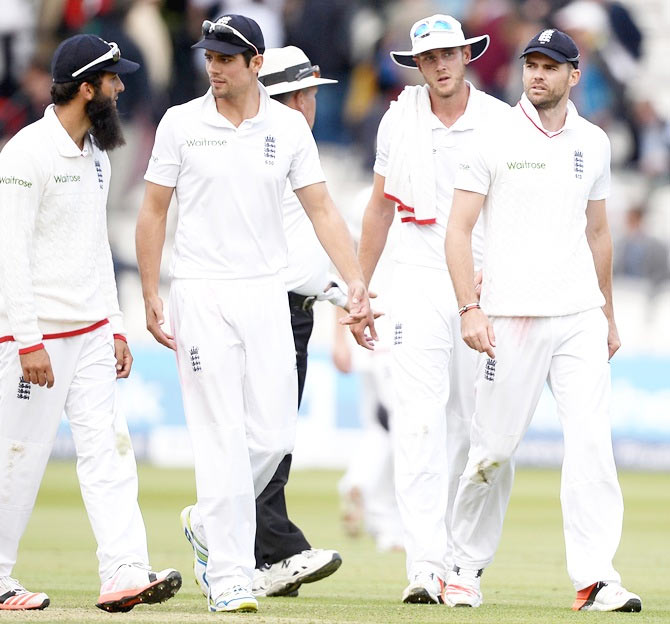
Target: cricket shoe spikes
{"type": "Point", "coordinates": [15, 597]}
{"type": "Point", "coordinates": [237, 598]}
{"type": "Point", "coordinates": [135, 583]}
{"type": "Point", "coordinates": [463, 588]}
{"type": "Point", "coordinates": [603, 596]}
{"type": "Point", "coordinates": [286, 576]}
{"type": "Point", "coordinates": [424, 588]}
{"type": "Point", "coordinates": [200, 551]}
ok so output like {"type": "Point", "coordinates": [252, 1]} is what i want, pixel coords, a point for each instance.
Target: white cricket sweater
{"type": "Point", "coordinates": [56, 272]}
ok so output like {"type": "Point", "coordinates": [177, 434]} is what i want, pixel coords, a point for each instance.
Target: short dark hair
{"type": "Point", "coordinates": [248, 55]}
{"type": "Point", "coordinates": [282, 98]}
{"type": "Point", "coordinates": [64, 92]}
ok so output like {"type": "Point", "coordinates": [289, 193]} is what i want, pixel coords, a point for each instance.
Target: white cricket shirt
{"type": "Point", "coordinates": [537, 261]}
{"type": "Point", "coordinates": [424, 244]}
{"type": "Point", "coordinates": [229, 184]}
{"type": "Point", "coordinates": [56, 272]}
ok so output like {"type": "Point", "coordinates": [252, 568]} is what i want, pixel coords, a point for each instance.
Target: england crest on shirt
{"type": "Point", "coordinates": [579, 164]}
{"type": "Point", "coordinates": [270, 150]}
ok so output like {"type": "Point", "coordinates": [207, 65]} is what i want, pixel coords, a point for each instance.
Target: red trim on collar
{"type": "Point", "coordinates": [549, 136]}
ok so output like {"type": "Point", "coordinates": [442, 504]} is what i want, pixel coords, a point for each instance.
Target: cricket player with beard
{"type": "Point", "coordinates": [541, 176]}
{"type": "Point", "coordinates": [418, 143]}
{"type": "Point", "coordinates": [227, 156]}
{"type": "Point", "coordinates": [62, 341]}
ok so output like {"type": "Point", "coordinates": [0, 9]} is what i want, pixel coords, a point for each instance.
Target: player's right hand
{"type": "Point", "coordinates": [155, 320]}
{"type": "Point", "coordinates": [477, 332]}
{"type": "Point", "coordinates": [36, 368]}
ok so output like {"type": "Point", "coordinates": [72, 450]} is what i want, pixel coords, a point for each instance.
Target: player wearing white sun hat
{"type": "Point", "coordinates": [433, 375]}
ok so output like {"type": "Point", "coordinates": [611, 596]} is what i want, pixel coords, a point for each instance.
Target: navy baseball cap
{"type": "Point", "coordinates": [231, 34]}
{"type": "Point", "coordinates": [554, 44]}
{"type": "Point", "coordinates": [82, 56]}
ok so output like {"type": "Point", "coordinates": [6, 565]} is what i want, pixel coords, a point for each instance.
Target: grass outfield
{"type": "Point", "coordinates": [526, 584]}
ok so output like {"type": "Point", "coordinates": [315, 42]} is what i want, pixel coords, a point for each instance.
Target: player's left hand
{"type": "Point", "coordinates": [124, 359]}
{"type": "Point", "coordinates": [613, 340]}
{"type": "Point", "coordinates": [360, 314]}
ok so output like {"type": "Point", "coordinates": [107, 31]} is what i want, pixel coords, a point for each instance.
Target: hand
{"type": "Point", "coordinates": [36, 368]}
{"type": "Point", "coordinates": [613, 340]}
{"type": "Point", "coordinates": [360, 315]}
{"type": "Point", "coordinates": [477, 332]}
{"type": "Point", "coordinates": [155, 320]}
{"type": "Point", "coordinates": [124, 360]}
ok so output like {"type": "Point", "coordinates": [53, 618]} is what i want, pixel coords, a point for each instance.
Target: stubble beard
{"type": "Point", "coordinates": [105, 123]}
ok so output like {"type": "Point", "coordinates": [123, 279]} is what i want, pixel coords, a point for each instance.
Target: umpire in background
{"type": "Point", "coordinates": [284, 558]}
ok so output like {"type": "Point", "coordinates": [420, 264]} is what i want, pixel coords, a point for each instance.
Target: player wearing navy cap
{"type": "Point", "coordinates": [62, 341]}
{"type": "Point", "coordinates": [227, 156]}
{"type": "Point", "coordinates": [540, 177]}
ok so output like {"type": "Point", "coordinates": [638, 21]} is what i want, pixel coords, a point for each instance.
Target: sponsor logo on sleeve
{"type": "Point", "coordinates": [98, 170]}
{"type": "Point", "coordinates": [16, 181]}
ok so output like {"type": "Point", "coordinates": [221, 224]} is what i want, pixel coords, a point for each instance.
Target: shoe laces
{"type": "Point", "coordinates": [11, 584]}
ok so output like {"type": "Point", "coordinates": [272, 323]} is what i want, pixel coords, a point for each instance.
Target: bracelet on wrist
{"type": "Point", "coordinates": [468, 306]}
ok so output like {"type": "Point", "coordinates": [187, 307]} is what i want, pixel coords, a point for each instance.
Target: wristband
{"type": "Point", "coordinates": [120, 337]}
{"type": "Point", "coordinates": [468, 306]}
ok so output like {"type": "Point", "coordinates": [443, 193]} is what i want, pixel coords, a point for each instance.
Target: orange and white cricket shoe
{"type": "Point", "coordinates": [603, 596]}
{"type": "Point", "coordinates": [134, 584]}
{"type": "Point", "coordinates": [463, 588]}
{"type": "Point", "coordinates": [15, 597]}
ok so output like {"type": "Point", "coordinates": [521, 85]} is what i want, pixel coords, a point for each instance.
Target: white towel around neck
{"type": "Point", "coordinates": [410, 179]}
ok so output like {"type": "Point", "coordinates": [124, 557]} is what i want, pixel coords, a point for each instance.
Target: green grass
{"type": "Point", "coordinates": [527, 582]}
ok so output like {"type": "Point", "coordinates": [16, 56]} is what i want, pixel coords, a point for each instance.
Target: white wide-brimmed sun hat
{"type": "Point", "coordinates": [288, 69]}
{"type": "Point", "coordinates": [436, 32]}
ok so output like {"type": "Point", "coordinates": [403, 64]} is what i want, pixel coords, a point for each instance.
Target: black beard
{"type": "Point", "coordinates": [105, 123]}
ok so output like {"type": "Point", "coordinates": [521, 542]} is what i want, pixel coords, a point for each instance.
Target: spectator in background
{"type": "Point", "coordinates": [322, 28]}
{"type": "Point", "coordinates": [638, 254]}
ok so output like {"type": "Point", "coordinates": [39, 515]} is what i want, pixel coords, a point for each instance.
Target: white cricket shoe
{"type": "Point", "coordinates": [286, 576]}
{"type": "Point", "coordinates": [424, 588]}
{"type": "Point", "coordinates": [200, 551]}
{"type": "Point", "coordinates": [603, 596]}
{"type": "Point", "coordinates": [135, 583]}
{"type": "Point", "coordinates": [237, 598]}
{"type": "Point", "coordinates": [15, 597]}
{"type": "Point", "coordinates": [463, 588]}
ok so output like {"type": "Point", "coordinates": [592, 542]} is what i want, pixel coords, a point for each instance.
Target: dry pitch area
{"type": "Point", "coordinates": [526, 584]}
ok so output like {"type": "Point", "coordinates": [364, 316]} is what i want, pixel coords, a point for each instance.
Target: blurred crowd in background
{"type": "Point", "coordinates": [624, 87]}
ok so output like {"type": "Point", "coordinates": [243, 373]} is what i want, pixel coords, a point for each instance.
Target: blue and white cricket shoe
{"type": "Point", "coordinates": [200, 552]}
{"type": "Point", "coordinates": [237, 598]}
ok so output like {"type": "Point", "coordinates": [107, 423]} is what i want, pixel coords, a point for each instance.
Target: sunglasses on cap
{"type": "Point", "coordinates": [113, 54]}
{"type": "Point", "coordinates": [429, 26]}
{"type": "Point", "coordinates": [219, 28]}
{"type": "Point", "coordinates": [291, 74]}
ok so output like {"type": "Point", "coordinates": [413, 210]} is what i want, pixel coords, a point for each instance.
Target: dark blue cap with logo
{"type": "Point", "coordinates": [82, 56]}
{"type": "Point", "coordinates": [554, 44]}
{"type": "Point", "coordinates": [231, 34]}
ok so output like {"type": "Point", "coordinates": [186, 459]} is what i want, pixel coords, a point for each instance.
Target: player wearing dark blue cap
{"type": "Point", "coordinates": [62, 341]}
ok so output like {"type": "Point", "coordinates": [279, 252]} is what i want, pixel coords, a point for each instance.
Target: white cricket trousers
{"type": "Point", "coordinates": [433, 373]}
{"type": "Point", "coordinates": [84, 369]}
{"type": "Point", "coordinates": [237, 369]}
{"type": "Point", "coordinates": [570, 353]}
